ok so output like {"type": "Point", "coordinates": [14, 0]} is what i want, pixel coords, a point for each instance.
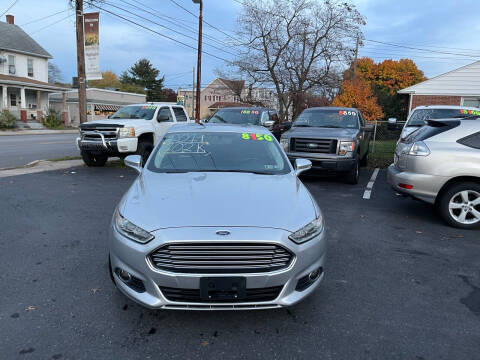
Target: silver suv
{"type": "Point", "coordinates": [440, 163]}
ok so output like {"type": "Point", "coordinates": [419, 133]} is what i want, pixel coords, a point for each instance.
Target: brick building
{"type": "Point", "coordinates": [460, 87]}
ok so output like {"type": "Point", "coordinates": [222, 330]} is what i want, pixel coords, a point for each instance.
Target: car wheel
{"type": "Point", "coordinates": [364, 161]}
{"type": "Point", "coordinates": [353, 175]}
{"type": "Point", "coordinates": [459, 205]}
{"type": "Point", "coordinates": [144, 149]}
{"type": "Point", "coordinates": [93, 160]}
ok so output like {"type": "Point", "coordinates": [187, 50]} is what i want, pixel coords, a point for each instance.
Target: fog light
{"type": "Point", "coordinates": [314, 275]}
{"type": "Point", "coordinates": [124, 275]}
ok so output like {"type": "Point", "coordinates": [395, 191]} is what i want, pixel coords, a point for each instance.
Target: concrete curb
{"type": "Point", "coordinates": [36, 132]}
{"type": "Point", "coordinates": [40, 166]}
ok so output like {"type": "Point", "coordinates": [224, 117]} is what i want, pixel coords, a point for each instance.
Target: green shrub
{"type": "Point", "coordinates": [7, 120]}
{"type": "Point", "coordinates": [53, 119]}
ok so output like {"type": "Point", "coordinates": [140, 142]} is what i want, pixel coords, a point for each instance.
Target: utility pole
{"type": "Point", "coordinates": [199, 60]}
{"type": "Point", "coordinates": [355, 64]}
{"type": "Point", "coordinates": [82, 87]}
{"type": "Point", "coordinates": [193, 93]}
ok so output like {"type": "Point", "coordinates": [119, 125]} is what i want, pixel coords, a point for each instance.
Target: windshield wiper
{"type": "Point", "coordinates": [331, 126]}
{"type": "Point", "coordinates": [302, 125]}
{"type": "Point", "coordinates": [235, 171]}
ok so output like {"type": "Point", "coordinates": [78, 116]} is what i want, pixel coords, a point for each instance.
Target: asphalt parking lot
{"type": "Point", "coordinates": [399, 283]}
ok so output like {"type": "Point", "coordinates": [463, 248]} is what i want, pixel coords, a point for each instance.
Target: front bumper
{"type": "Point", "coordinates": [425, 187]}
{"type": "Point", "coordinates": [325, 163]}
{"type": "Point", "coordinates": [130, 256]}
{"type": "Point", "coordinates": [127, 145]}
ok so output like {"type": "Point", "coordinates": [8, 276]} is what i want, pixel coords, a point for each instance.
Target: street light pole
{"type": "Point", "coordinates": [199, 60]}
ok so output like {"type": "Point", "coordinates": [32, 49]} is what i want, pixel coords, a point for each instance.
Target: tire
{"type": "Point", "coordinates": [458, 200]}
{"type": "Point", "coordinates": [93, 160]}
{"type": "Point", "coordinates": [353, 175]}
{"type": "Point", "coordinates": [364, 161]}
{"type": "Point", "coordinates": [144, 149]}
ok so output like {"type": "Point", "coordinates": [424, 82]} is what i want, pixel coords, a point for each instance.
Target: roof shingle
{"type": "Point", "coordinates": [15, 39]}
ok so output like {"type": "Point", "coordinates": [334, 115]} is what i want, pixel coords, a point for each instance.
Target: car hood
{"type": "Point", "coordinates": [124, 122]}
{"type": "Point", "coordinates": [160, 200]}
{"type": "Point", "coordinates": [317, 132]}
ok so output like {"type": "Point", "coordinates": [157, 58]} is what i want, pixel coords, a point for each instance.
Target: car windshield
{"type": "Point", "coordinates": [327, 118]}
{"type": "Point", "coordinates": [219, 152]}
{"type": "Point", "coordinates": [420, 116]}
{"type": "Point", "coordinates": [236, 116]}
{"type": "Point", "coordinates": [145, 112]}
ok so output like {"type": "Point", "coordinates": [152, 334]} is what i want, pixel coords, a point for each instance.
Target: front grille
{"type": "Point", "coordinates": [93, 134]}
{"type": "Point", "coordinates": [221, 258]}
{"type": "Point", "coordinates": [320, 146]}
{"type": "Point", "coordinates": [193, 295]}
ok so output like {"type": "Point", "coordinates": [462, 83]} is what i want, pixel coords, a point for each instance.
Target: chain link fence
{"type": "Point", "coordinates": [383, 143]}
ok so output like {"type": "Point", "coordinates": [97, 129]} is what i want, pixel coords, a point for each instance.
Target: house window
{"type": "Point", "coordinates": [471, 102]}
{"type": "Point", "coordinates": [13, 100]}
{"type": "Point", "coordinates": [205, 97]}
{"type": "Point", "coordinates": [30, 67]}
{"type": "Point", "coordinates": [11, 64]}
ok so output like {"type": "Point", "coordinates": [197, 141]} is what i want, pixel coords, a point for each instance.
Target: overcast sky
{"type": "Point", "coordinates": [433, 25]}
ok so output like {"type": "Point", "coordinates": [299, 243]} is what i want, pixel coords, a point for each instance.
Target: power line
{"type": "Point", "coordinates": [166, 27]}
{"type": "Point", "coordinates": [12, 5]}
{"type": "Point", "coordinates": [54, 23]}
{"type": "Point", "coordinates": [172, 20]}
{"type": "Point", "coordinates": [212, 26]}
{"type": "Point", "coordinates": [158, 33]}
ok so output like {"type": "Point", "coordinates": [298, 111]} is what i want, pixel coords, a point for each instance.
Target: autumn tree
{"type": "Point", "coordinates": [385, 79]}
{"type": "Point", "coordinates": [109, 80]}
{"type": "Point", "coordinates": [359, 95]}
{"type": "Point", "coordinates": [295, 46]}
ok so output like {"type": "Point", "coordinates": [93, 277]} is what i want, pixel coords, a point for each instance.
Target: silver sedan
{"type": "Point", "coordinates": [217, 219]}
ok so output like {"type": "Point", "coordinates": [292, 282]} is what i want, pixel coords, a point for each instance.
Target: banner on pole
{"type": "Point", "coordinates": [92, 46]}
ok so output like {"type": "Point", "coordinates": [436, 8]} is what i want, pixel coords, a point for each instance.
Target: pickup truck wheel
{"type": "Point", "coordinates": [353, 175]}
{"type": "Point", "coordinates": [93, 160]}
{"type": "Point", "coordinates": [459, 205]}
{"type": "Point", "coordinates": [144, 149]}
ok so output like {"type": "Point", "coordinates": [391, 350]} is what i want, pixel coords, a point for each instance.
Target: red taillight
{"type": "Point", "coordinates": [405, 186]}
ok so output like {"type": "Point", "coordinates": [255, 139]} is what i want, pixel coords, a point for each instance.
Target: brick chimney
{"type": "Point", "coordinates": [10, 19]}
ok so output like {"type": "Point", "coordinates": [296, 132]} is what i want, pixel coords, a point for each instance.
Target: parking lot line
{"type": "Point", "coordinates": [368, 191]}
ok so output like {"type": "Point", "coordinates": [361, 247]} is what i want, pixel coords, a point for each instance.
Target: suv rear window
{"type": "Point", "coordinates": [472, 141]}
{"type": "Point", "coordinates": [179, 114]}
{"type": "Point", "coordinates": [420, 116]}
{"type": "Point", "coordinates": [430, 130]}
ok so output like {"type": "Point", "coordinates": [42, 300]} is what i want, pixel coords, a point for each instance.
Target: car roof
{"type": "Point", "coordinates": [246, 108]}
{"type": "Point", "coordinates": [332, 108]}
{"type": "Point", "coordinates": [236, 128]}
{"type": "Point", "coordinates": [154, 103]}
{"type": "Point", "coordinates": [453, 107]}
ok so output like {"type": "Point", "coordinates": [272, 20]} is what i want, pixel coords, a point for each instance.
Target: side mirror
{"type": "Point", "coordinates": [392, 124]}
{"type": "Point", "coordinates": [163, 118]}
{"type": "Point", "coordinates": [302, 165]}
{"type": "Point", "coordinates": [135, 162]}
{"type": "Point", "coordinates": [109, 116]}
{"type": "Point", "coordinates": [269, 123]}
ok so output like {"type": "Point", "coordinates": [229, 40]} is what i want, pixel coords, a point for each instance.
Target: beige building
{"type": "Point", "coordinates": [100, 103]}
{"type": "Point", "coordinates": [24, 86]}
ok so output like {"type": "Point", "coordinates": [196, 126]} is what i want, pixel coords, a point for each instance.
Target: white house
{"type": "Point", "coordinates": [24, 86]}
{"type": "Point", "coordinates": [460, 87]}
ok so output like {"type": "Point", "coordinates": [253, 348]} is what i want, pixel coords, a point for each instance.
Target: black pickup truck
{"type": "Point", "coordinates": [334, 139]}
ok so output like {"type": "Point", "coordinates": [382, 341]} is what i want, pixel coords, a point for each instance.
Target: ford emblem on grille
{"type": "Point", "coordinates": [223, 232]}
{"type": "Point", "coordinates": [312, 145]}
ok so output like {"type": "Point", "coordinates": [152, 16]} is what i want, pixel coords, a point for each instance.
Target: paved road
{"type": "Point", "coordinates": [19, 150]}
{"type": "Point", "coordinates": [399, 284]}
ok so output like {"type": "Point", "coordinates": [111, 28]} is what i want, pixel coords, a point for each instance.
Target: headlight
{"type": "Point", "coordinates": [130, 230]}
{"type": "Point", "coordinates": [308, 232]}
{"type": "Point", "coordinates": [419, 149]}
{"type": "Point", "coordinates": [285, 143]}
{"type": "Point", "coordinates": [346, 147]}
{"type": "Point", "coordinates": [126, 132]}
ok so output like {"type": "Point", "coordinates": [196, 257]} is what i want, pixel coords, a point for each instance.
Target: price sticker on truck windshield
{"type": "Point", "coordinates": [345, 113]}
{"type": "Point", "coordinates": [257, 137]}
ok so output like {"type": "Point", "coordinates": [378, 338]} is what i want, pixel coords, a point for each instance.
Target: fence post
{"type": "Point", "coordinates": [374, 136]}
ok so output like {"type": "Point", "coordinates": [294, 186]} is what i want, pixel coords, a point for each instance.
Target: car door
{"type": "Point", "coordinates": [364, 136]}
{"type": "Point", "coordinates": [163, 121]}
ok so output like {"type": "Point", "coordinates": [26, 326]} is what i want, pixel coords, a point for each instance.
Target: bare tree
{"type": "Point", "coordinates": [296, 45]}
{"type": "Point", "coordinates": [54, 73]}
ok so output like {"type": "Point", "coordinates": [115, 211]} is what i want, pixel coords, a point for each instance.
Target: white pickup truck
{"type": "Point", "coordinates": [134, 129]}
